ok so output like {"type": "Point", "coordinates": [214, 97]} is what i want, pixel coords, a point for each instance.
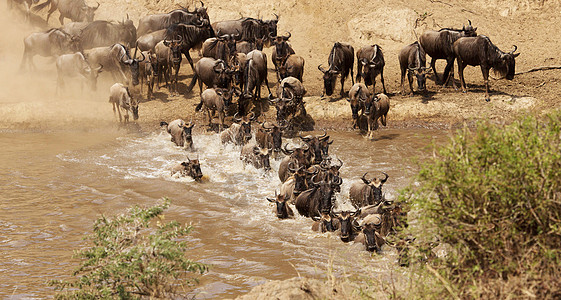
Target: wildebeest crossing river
{"type": "Point", "coordinates": [54, 183]}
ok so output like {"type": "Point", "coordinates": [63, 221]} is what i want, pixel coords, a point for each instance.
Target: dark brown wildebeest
{"type": "Point", "coordinates": [281, 50]}
{"type": "Point", "coordinates": [251, 154]}
{"type": "Point", "coordinates": [295, 184]}
{"type": "Point", "coordinates": [168, 56]}
{"type": "Point", "coordinates": [348, 224]}
{"type": "Point", "coordinates": [191, 168]}
{"type": "Point", "coordinates": [239, 134]}
{"type": "Point", "coordinates": [325, 223]}
{"type": "Point", "coordinates": [371, 233]}
{"type": "Point", "coordinates": [412, 61]}
{"type": "Point", "coordinates": [341, 60]}
{"type": "Point", "coordinates": [104, 33]}
{"type": "Point", "coordinates": [269, 136]}
{"type": "Point", "coordinates": [192, 37]}
{"type": "Point", "coordinates": [318, 199]}
{"type": "Point", "coordinates": [371, 59]}
{"type": "Point", "coordinates": [282, 209]}
{"type": "Point", "coordinates": [289, 102]}
{"type": "Point", "coordinates": [480, 51]}
{"type": "Point", "coordinates": [116, 59]}
{"type": "Point", "coordinates": [216, 99]}
{"type": "Point", "coordinates": [121, 98]}
{"type": "Point", "coordinates": [75, 10]}
{"type": "Point", "coordinates": [155, 22]}
{"type": "Point", "coordinates": [212, 72]}
{"type": "Point", "coordinates": [147, 72]}
{"type": "Point", "coordinates": [249, 28]}
{"type": "Point", "coordinates": [53, 42]}
{"type": "Point", "coordinates": [293, 66]}
{"type": "Point", "coordinates": [221, 47]}
{"type": "Point", "coordinates": [358, 97]}
{"type": "Point", "coordinates": [248, 46]}
{"type": "Point", "coordinates": [75, 65]}
{"type": "Point", "coordinates": [376, 108]}
{"type": "Point", "coordinates": [181, 133]}
{"type": "Point", "coordinates": [367, 192]}
{"type": "Point", "coordinates": [438, 45]}
{"type": "Point", "coordinates": [319, 145]}
{"type": "Point", "coordinates": [297, 157]}
{"type": "Point", "coordinates": [255, 74]}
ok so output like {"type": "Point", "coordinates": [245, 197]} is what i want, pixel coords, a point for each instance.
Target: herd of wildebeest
{"type": "Point", "coordinates": [232, 64]}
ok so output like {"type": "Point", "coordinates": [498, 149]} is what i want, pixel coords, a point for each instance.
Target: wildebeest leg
{"type": "Point", "coordinates": [352, 75]}
{"type": "Point", "coordinates": [342, 86]}
{"type": "Point", "coordinates": [119, 111]}
{"type": "Point", "coordinates": [433, 66]}
{"type": "Point", "coordinates": [402, 81]}
{"type": "Point", "coordinates": [382, 78]}
{"type": "Point", "coordinates": [449, 67]}
{"type": "Point", "coordinates": [358, 71]}
{"type": "Point", "coordinates": [61, 19]}
{"type": "Point", "coordinates": [485, 71]}
{"type": "Point", "coordinates": [410, 78]}
{"type": "Point", "coordinates": [461, 68]}
{"type": "Point", "coordinates": [267, 85]}
{"type": "Point", "coordinates": [209, 117]}
{"type": "Point", "coordinates": [51, 10]}
{"type": "Point", "coordinates": [383, 119]}
{"type": "Point", "coordinates": [126, 115]}
{"type": "Point", "coordinates": [186, 53]}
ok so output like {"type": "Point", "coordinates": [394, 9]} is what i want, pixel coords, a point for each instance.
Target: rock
{"type": "Point", "coordinates": [396, 24]}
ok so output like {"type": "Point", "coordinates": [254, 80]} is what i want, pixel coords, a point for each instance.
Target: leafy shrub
{"type": "Point", "coordinates": [132, 256]}
{"type": "Point", "coordinates": [494, 195]}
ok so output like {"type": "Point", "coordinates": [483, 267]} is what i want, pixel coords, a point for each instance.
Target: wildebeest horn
{"type": "Point", "coordinates": [364, 178]}
{"type": "Point", "coordinates": [305, 138]}
{"type": "Point", "coordinates": [276, 16]}
{"type": "Point", "coordinates": [322, 69]}
{"type": "Point", "coordinates": [313, 181]}
{"type": "Point", "coordinates": [512, 52]}
{"type": "Point", "coordinates": [97, 5]}
{"type": "Point", "coordinates": [202, 4]}
{"type": "Point", "coordinates": [287, 37]}
{"type": "Point", "coordinates": [251, 116]}
{"type": "Point", "coordinates": [188, 159]}
{"type": "Point", "coordinates": [265, 127]}
{"type": "Point", "coordinates": [384, 180]}
{"type": "Point", "coordinates": [469, 22]}
{"type": "Point", "coordinates": [340, 163]}
{"type": "Point", "coordinates": [143, 57]}
{"type": "Point", "coordinates": [271, 200]}
{"type": "Point", "coordinates": [292, 169]}
{"type": "Point", "coordinates": [290, 151]}
{"type": "Point", "coordinates": [306, 147]}
{"type": "Point", "coordinates": [237, 119]}
{"type": "Point", "coordinates": [323, 136]}
{"type": "Point", "coordinates": [338, 180]}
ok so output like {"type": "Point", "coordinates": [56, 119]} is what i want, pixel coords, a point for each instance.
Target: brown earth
{"type": "Point", "coordinates": [315, 26]}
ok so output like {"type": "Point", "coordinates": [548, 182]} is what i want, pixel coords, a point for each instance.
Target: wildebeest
{"type": "Point", "coordinates": [192, 37]}
{"type": "Point", "coordinates": [293, 66]}
{"type": "Point", "coordinates": [75, 65]}
{"type": "Point", "coordinates": [75, 10]}
{"type": "Point", "coordinates": [168, 56]}
{"type": "Point", "coordinates": [181, 133]}
{"type": "Point", "coordinates": [319, 145]}
{"type": "Point", "coordinates": [325, 223]}
{"type": "Point", "coordinates": [191, 168]}
{"type": "Point", "coordinates": [296, 183]}
{"type": "Point", "coordinates": [239, 134]}
{"type": "Point", "coordinates": [114, 60]}
{"type": "Point", "coordinates": [213, 73]}
{"type": "Point", "coordinates": [148, 41]}
{"type": "Point", "coordinates": [348, 224]}
{"type": "Point", "coordinates": [358, 97]}
{"type": "Point", "coordinates": [289, 102]}
{"type": "Point", "coordinates": [161, 21]}
{"type": "Point", "coordinates": [281, 50]}
{"type": "Point", "coordinates": [105, 33]}
{"type": "Point", "coordinates": [318, 199]}
{"type": "Point", "coordinates": [480, 51]}
{"type": "Point", "coordinates": [248, 46]}
{"type": "Point", "coordinates": [282, 209]}
{"type": "Point", "coordinates": [147, 72]}
{"type": "Point", "coordinates": [121, 98]}
{"type": "Point", "coordinates": [255, 74]}
{"type": "Point", "coordinates": [249, 28]}
{"type": "Point", "coordinates": [74, 28]}
{"type": "Point", "coordinates": [221, 47]}
{"type": "Point", "coordinates": [214, 100]}
{"type": "Point", "coordinates": [370, 235]}
{"type": "Point", "coordinates": [438, 45]}
{"type": "Point", "coordinates": [376, 108]}
{"type": "Point", "coordinates": [367, 192]}
{"type": "Point", "coordinates": [269, 136]}
{"type": "Point", "coordinates": [53, 42]}
{"type": "Point", "coordinates": [251, 154]}
{"type": "Point", "coordinates": [412, 61]}
{"type": "Point", "coordinates": [341, 60]}
{"type": "Point", "coordinates": [371, 59]}
{"type": "Point", "coordinates": [298, 157]}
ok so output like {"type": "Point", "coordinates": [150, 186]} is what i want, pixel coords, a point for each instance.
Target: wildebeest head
{"type": "Point", "coordinates": [91, 75]}
{"type": "Point", "coordinates": [303, 156]}
{"type": "Point", "coordinates": [192, 168]}
{"type": "Point", "coordinates": [506, 67]}
{"type": "Point", "coordinates": [283, 211]}
{"type": "Point", "coordinates": [319, 145]}
{"type": "Point", "coordinates": [300, 175]}
{"type": "Point", "coordinates": [420, 74]}
{"type": "Point", "coordinates": [329, 79]}
{"type": "Point", "coordinates": [175, 47]}
{"type": "Point", "coordinates": [358, 102]}
{"type": "Point", "coordinates": [275, 133]}
{"type": "Point", "coordinates": [133, 104]}
{"type": "Point", "coordinates": [327, 222]}
{"type": "Point", "coordinates": [87, 13]}
{"type": "Point", "coordinates": [469, 30]}
{"type": "Point", "coordinates": [244, 134]}
{"type": "Point", "coordinates": [187, 133]}
{"type": "Point", "coordinates": [348, 224]}
{"type": "Point", "coordinates": [271, 26]}
{"type": "Point", "coordinates": [224, 73]}
{"type": "Point", "coordinates": [133, 64]}
{"type": "Point", "coordinates": [375, 188]}
{"type": "Point", "coordinates": [283, 105]}
{"type": "Point", "coordinates": [282, 48]}
{"type": "Point", "coordinates": [371, 226]}
{"type": "Point", "coordinates": [227, 94]}
{"type": "Point", "coordinates": [325, 190]}
{"type": "Point", "coordinates": [262, 156]}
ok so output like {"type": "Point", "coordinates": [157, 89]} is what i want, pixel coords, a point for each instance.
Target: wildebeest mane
{"type": "Point", "coordinates": [252, 28]}
{"type": "Point", "coordinates": [101, 31]}
{"type": "Point", "coordinates": [498, 65]}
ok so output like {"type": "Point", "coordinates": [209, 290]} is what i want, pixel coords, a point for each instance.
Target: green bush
{"type": "Point", "coordinates": [494, 195]}
{"type": "Point", "coordinates": [133, 256]}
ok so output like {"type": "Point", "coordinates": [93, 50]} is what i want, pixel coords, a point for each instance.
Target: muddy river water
{"type": "Point", "coordinates": [55, 183]}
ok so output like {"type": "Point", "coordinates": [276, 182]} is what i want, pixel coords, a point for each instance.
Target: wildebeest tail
{"type": "Point", "coordinates": [192, 84]}
{"type": "Point", "coordinates": [163, 124]}
{"type": "Point", "coordinates": [199, 106]}
{"type": "Point", "coordinates": [39, 7]}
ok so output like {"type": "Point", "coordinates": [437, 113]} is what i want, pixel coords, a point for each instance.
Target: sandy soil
{"type": "Point", "coordinates": [531, 25]}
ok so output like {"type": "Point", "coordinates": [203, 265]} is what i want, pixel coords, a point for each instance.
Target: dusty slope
{"type": "Point", "coordinates": [315, 26]}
